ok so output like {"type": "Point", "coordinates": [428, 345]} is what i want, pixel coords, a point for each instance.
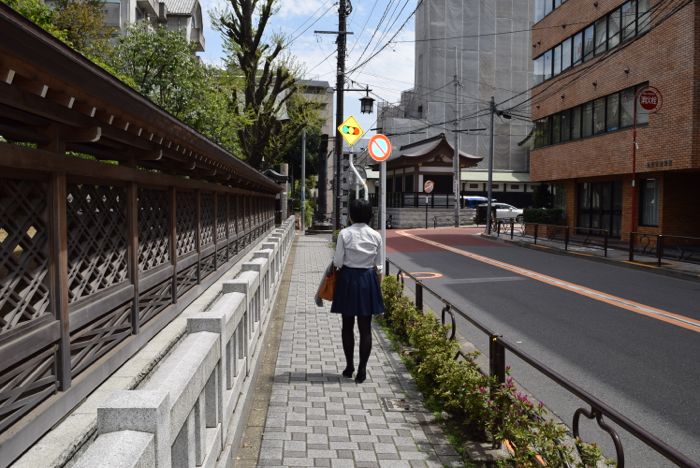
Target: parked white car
{"type": "Point", "coordinates": [506, 211]}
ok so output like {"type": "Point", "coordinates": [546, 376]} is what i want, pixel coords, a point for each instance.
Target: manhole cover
{"type": "Point", "coordinates": [396, 404]}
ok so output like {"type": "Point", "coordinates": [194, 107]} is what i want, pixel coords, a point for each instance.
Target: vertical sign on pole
{"type": "Point", "coordinates": [379, 149]}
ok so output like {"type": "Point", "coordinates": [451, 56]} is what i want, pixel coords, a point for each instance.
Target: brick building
{"type": "Point", "coordinates": [590, 59]}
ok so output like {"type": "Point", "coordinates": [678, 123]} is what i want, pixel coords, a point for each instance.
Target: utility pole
{"type": "Point", "coordinates": [339, 88]}
{"type": "Point", "coordinates": [303, 180]}
{"type": "Point", "coordinates": [455, 162]}
{"type": "Point", "coordinates": [491, 151]}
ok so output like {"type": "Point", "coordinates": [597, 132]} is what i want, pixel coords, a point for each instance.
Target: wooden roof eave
{"type": "Point", "coordinates": [51, 75]}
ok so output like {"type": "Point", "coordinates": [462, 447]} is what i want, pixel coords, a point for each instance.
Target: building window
{"type": "Point", "coordinates": [627, 107]}
{"type": "Point", "coordinates": [565, 126]}
{"type": "Point", "coordinates": [557, 60]}
{"type": "Point", "coordinates": [548, 65]}
{"type": "Point", "coordinates": [576, 123]}
{"type": "Point", "coordinates": [556, 129]}
{"type": "Point", "coordinates": [539, 69]}
{"type": "Point", "coordinates": [587, 120]}
{"type": "Point", "coordinates": [601, 35]}
{"type": "Point", "coordinates": [599, 116]}
{"type": "Point", "coordinates": [629, 16]}
{"type": "Point", "coordinates": [649, 203]}
{"type": "Point", "coordinates": [614, 28]}
{"type": "Point", "coordinates": [605, 114]}
{"type": "Point", "coordinates": [577, 53]}
{"type": "Point", "coordinates": [643, 16]}
{"type": "Point", "coordinates": [613, 111]}
{"type": "Point", "coordinates": [473, 186]}
{"type": "Point", "coordinates": [515, 187]}
{"type": "Point", "coordinates": [588, 43]}
{"type": "Point", "coordinates": [566, 54]}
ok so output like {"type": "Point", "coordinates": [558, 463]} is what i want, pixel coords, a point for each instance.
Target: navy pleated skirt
{"type": "Point", "coordinates": [357, 292]}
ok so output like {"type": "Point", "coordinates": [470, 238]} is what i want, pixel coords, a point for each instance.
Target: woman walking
{"type": "Point", "coordinates": [357, 291]}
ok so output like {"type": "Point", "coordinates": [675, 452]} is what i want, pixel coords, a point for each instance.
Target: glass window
{"type": "Point", "coordinates": [547, 65]}
{"type": "Point", "coordinates": [643, 16]}
{"type": "Point", "coordinates": [576, 123]}
{"type": "Point", "coordinates": [556, 129]}
{"type": "Point", "coordinates": [577, 53]}
{"type": "Point", "coordinates": [613, 112]}
{"type": "Point", "coordinates": [557, 3]}
{"type": "Point", "coordinates": [648, 203]}
{"type": "Point", "coordinates": [539, 10]}
{"type": "Point", "coordinates": [557, 60]}
{"type": "Point", "coordinates": [599, 115]}
{"type": "Point", "coordinates": [601, 35]}
{"type": "Point", "coordinates": [642, 114]}
{"type": "Point", "coordinates": [587, 119]}
{"type": "Point", "coordinates": [588, 41]}
{"type": "Point", "coordinates": [539, 69]}
{"type": "Point", "coordinates": [566, 54]}
{"type": "Point", "coordinates": [614, 29]}
{"type": "Point", "coordinates": [539, 133]}
{"type": "Point", "coordinates": [547, 7]}
{"type": "Point", "coordinates": [626, 107]}
{"type": "Point", "coordinates": [547, 133]}
{"type": "Point", "coordinates": [565, 126]}
{"type": "Point", "coordinates": [628, 19]}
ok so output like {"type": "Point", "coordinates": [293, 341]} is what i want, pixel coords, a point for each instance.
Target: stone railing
{"type": "Point", "coordinates": [188, 412]}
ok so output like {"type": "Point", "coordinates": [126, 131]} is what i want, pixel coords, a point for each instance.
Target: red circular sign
{"type": "Point", "coordinates": [650, 99]}
{"type": "Point", "coordinates": [379, 147]}
{"type": "Point", "coordinates": [428, 186]}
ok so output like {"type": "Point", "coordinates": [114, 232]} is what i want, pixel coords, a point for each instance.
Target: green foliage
{"type": "Point", "coordinates": [161, 65]}
{"type": "Point", "coordinates": [478, 405]}
{"type": "Point", "coordinates": [37, 12]}
{"type": "Point", "coordinates": [544, 216]}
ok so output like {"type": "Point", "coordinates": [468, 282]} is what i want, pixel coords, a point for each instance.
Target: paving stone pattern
{"type": "Point", "coordinates": [318, 418]}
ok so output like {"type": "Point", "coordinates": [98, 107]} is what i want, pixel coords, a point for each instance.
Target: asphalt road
{"type": "Point", "coordinates": [645, 366]}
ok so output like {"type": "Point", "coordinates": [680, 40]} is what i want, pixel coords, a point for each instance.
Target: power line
{"type": "Point", "coordinates": [309, 26]}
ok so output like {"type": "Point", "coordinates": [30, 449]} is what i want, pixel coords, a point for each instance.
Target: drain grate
{"type": "Point", "coordinates": [396, 404]}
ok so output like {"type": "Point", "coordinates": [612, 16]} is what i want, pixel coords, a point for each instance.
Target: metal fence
{"type": "Point", "coordinates": [497, 354]}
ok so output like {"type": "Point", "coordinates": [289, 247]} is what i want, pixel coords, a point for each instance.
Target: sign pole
{"type": "Point", "coordinates": [303, 180]}
{"type": "Point", "coordinates": [382, 208]}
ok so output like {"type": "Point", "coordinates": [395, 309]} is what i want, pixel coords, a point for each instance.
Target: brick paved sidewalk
{"type": "Point", "coordinates": [318, 418]}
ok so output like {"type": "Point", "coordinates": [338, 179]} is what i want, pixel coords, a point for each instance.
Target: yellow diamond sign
{"type": "Point", "coordinates": [350, 130]}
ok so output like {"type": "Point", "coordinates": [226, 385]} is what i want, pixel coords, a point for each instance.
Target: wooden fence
{"type": "Point", "coordinates": [97, 256]}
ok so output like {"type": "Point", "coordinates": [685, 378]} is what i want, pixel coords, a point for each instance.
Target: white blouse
{"type": "Point", "coordinates": [358, 246]}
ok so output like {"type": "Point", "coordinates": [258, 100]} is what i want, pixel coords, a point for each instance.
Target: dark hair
{"type": "Point", "coordinates": [360, 211]}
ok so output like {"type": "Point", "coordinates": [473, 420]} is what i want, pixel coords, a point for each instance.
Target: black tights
{"type": "Point", "coordinates": [364, 324]}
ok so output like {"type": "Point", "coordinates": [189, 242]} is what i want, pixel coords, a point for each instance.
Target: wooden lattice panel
{"type": "Point", "coordinates": [186, 279]}
{"type": "Point", "coordinates": [222, 255]}
{"type": "Point", "coordinates": [232, 220]}
{"type": "Point", "coordinates": [95, 339]}
{"type": "Point", "coordinates": [207, 219]}
{"type": "Point", "coordinates": [221, 211]}
{"type": "Point", "coordinates": [97, 238]}
{"type": "Point", "coordinates": [26, 384]}
{"type": "Point", "coordinates": [154, 301]}
{"type": "Point", "coordinates": [154, 220]}
{"type": "Point", "coordinates": [186, 212]}
{"type": "Point", "coordinates": [208, 265]}
{"type": "Point", "coordinates": [232, 249]}
{"type": "Point", "coordinates": [24, 291]}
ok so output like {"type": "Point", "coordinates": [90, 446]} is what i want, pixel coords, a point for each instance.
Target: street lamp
{"type": "Point", "coordinates": [366, 104]}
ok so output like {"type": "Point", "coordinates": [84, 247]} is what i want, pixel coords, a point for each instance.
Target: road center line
{"type": "Point", "coordinates": [632, 306]}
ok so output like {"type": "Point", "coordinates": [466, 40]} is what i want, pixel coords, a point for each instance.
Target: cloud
{"type": "Point", "coordinates": [290, 8]}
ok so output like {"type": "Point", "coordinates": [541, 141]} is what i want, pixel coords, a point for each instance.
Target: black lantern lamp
{"type": "Point", "coordinates": [366, 104]}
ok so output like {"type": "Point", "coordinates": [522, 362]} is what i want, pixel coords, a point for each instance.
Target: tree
{"type": "Point", "coordinates": [37, 12]}
{"type": "Point", "coordinates": [83, 24]}
{"type": "Point", "coordinates": [268, 81]}
{"type": "Point", "coordinates": [162, 66]}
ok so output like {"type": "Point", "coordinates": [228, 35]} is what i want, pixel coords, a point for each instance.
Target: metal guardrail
{"type": "Point", "coordinates": [497, 369]}
{"type": "Point", "coordinates": [679, 248]}
{"type": "Point", "coordinates": [583, 236]}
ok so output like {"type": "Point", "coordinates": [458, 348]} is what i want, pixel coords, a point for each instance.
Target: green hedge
{"type": "Point", "coordinates": [544, 215]}
{"type": "Point", "coordinates": [483, 409]}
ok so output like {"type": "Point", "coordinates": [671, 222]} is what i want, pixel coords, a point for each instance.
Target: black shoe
{"type": "Point", "coordinates": [361, 376]}
{"type": "Point", "coordinates": [348, 372]}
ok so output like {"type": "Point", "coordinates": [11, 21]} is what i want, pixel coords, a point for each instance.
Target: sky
{"type": "Point", "coordinates": [387, 74]}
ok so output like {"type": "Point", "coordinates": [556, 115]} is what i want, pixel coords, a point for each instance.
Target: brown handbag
{"type": "Point", "coordinates": [327, 287]}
